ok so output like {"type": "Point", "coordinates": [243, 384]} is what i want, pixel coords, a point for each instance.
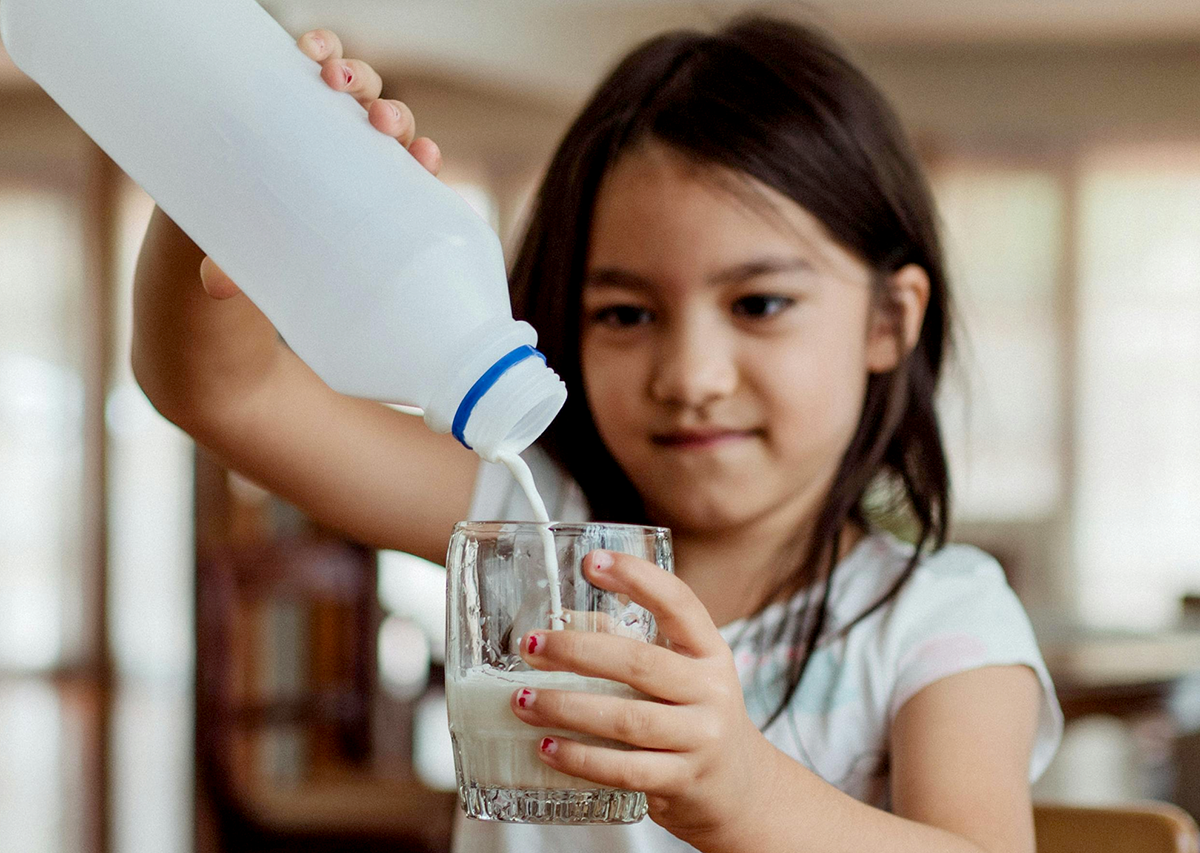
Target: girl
{"type": "Point", "coordinates": [733, 264]}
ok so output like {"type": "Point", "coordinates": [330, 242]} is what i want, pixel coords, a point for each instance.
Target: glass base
{"type": "Point", "coordinates": [523, 805]}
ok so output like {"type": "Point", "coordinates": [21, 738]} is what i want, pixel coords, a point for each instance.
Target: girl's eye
{"type": "Point", "coordinates": [621, 316]}
{"type": "Point", "coordinates": [761, 305]}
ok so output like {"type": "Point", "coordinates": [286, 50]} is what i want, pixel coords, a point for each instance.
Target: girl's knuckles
{"type": "Point", "coordinates": [708, 733]}
{"type": "Point", "coordinates": [631, 725]}
{"type": "Point", "coordinates": [641, 663]}
{"type": "Point", "coordinates": [624, 775]}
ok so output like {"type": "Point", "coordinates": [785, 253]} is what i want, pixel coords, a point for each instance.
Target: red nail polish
{"type": "Point", "coordinates": [531, 645]}
{"type": "Point", "coordinates": [525, 697]}
{"type": "Point", "coordinates": [346, 73]}
{"type": "Point", "coordinates": [549, 746]}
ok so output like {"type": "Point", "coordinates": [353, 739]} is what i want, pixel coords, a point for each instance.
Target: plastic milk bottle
{"type": "Point", "coordinates": [381, 278]}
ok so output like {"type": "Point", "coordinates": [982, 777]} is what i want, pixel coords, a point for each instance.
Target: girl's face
{"type": "Point", "coordinates": [726, 343]}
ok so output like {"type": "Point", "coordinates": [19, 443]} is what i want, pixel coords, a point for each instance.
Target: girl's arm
{"type": "Point", "coordinates": [217, 369]}
{"type": "Point", "coordinates": [960, 753]}
{"type": "Point", "coordinates": [960, 747]}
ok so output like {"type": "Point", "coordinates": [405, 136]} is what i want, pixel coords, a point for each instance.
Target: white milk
{"type": "Point", "coordinates": [495, 747]}
{"type": "Point", "coordinates": [524, 477]}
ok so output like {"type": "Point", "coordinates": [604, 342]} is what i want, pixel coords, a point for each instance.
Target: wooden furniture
{"type": "Point", "coordinates": [1147, 827]}
{"type": "Point", "coordinates": [1123, 674]}
{"type": "Point", "coordinates": [334, 799]}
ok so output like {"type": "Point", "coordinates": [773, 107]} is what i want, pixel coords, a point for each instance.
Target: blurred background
{"type": "Point", "coordinates": [188, 664]}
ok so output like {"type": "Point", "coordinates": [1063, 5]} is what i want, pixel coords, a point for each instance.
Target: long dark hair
{"type": "Point", "coordinates": [781, 103]}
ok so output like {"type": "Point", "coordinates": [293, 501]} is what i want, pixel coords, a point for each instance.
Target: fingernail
{"type": "Point", "coordinates": [549, 745]}
{"type": "Point", "coordinates": [602, 561]}
{"type": "Point", "coordinates": [347, 76]}
{"type": "Point", "coordinates": [525, 698]}
{"type": "Point", "coordinates": [318, 43]}
{"type": "Point", "coordinates": [395, 111]}
{"type": "Point", "coordinates": [533, 643]}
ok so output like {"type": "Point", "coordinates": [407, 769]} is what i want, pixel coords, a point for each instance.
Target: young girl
{"type": "Point", "coordinates": [733, 264]}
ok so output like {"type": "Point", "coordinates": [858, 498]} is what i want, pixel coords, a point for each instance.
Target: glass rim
{"type": "Point", "coordinates": [559, 526]}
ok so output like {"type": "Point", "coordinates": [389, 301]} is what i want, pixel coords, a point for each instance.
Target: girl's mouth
{"type": "Point", "coordinates": [701, 439]}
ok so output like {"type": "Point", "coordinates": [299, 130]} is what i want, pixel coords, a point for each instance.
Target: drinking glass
{"type": "Point", "coordinates": [499, 589]}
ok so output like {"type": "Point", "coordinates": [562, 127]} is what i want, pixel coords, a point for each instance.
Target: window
{"type": "Point", "coordinates": [1001, 404]}
{"type": "Point", "coordinates": [150, 571]}
{"type": "Point", "coordinates": [1137, 519]}
{"type": "Point", "coordinates": [149, 494]}
{"type": "Point", "coordinates": [1073, 412]}
{"type": "Point", "coordinates": [41, 428]}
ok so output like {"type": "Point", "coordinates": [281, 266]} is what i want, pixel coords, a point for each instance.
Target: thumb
{"type": "Point", "coordinates": [216, 283]}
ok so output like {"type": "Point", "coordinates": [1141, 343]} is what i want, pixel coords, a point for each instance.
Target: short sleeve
{"type": "Point", "coordinates": [957, 613]}
{"type": "Point", "coordinates": [497, 497]}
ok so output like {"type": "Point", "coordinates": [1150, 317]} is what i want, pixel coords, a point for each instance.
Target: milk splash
{"type": "Point", "coordinates": [524, 477]}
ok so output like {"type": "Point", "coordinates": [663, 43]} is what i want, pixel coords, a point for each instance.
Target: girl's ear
{"type": "Point", "coordinates": [896, 320]}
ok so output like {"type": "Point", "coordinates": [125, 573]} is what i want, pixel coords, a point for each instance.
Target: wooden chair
{"type": "Point", "coordinates": [1145, 827]}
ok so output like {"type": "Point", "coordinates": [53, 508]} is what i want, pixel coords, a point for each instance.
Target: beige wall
{"type": "Point", "coordinates": [1042, 92]}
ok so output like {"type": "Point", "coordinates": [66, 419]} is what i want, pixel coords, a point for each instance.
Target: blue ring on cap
{"type": "Point", "coordinates": [484, 384]}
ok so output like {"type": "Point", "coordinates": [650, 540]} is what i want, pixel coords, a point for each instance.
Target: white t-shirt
{"type": "Point", "coordinates": [956, 612]}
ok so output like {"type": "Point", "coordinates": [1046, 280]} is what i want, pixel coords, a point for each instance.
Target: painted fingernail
{"type": "Point", "coordinates": [525, 698]}
{"type": "Point", "coordinates": [347, 75]}
{"type": "Point", "coordinates": [549, 745]}
{"type": "Point", "coordinates": [533, 643]}
{"type": "Point", "coordinates": [602, 561]}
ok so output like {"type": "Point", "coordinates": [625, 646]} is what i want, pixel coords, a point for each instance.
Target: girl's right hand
{"type": "Point", "coordinates": [387, 116]}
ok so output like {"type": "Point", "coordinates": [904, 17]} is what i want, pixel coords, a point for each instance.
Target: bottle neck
{"type": "Point", "coordinates": [484, 384]}
{"type": "Point", "coordinates": [501, 396]}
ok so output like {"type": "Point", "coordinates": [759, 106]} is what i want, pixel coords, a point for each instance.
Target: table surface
{"type": "Point", "coordinates": [1088, 657]}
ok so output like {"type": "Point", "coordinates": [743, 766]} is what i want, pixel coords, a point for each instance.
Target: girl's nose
{"type": "Point", "coordinates": [693, 368]}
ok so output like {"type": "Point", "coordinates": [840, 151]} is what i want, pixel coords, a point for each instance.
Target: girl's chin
{"type": "Point", "coordinates": [704, 511]}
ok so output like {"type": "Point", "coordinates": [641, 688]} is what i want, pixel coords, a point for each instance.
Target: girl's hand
{"type": "Point", "coordinates": [360, 80]}
{"type": "Point", "coordinates": [702, 762]}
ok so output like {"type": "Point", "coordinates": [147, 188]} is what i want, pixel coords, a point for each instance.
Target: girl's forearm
{"type": "Point", "coordinates": [802, 812]}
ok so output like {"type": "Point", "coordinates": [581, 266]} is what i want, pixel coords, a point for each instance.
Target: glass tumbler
{"type": "Point", "coordinates": [500, 589]}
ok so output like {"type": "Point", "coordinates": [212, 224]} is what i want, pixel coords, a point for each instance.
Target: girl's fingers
{"type": "Point", "coordinates": [653, 670]}
{"type": "Point", "coordinates": [637, 722]}
{"type": "Point", "coordinates": [216, 283]}
{"type": "Point", "coordinates": [361, 80]}
{"type": "Point", "coordinates": [393, 118]}
{"type": "Point", "coordinates": [427, 153]}
{"type": "Point", "coordinates": [633, 770]}
{"type": "Point", "coordinates": [679, 614]}
{"type": "Point", "coordinates": [354, 77]}
{"type": "Point", "coordinates": [321, 45]}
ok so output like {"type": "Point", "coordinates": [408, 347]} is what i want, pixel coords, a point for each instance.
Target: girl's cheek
{"type": "Point", "coordinates": [610, 382]}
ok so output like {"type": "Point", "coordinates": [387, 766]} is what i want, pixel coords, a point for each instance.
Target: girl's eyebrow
{"type": "Point", "coordinates": [617, 277]}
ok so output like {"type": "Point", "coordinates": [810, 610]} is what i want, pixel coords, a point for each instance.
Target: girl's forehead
{"type": "Point", "coordinates": [655, 203]}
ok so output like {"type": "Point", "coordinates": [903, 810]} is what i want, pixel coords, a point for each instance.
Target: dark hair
{"type": "Point", "coordinates": [778, 102]}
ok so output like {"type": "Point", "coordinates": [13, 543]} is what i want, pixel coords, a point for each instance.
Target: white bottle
{"type": "Point", "coordinates": [376, 274]}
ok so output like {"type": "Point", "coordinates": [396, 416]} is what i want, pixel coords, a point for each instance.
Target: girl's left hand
{"type": "Point", "coordinates": [702, 762]}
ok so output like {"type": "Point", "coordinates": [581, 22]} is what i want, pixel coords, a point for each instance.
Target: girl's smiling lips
{"type": "Point", "coordinates": [700, 439]}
